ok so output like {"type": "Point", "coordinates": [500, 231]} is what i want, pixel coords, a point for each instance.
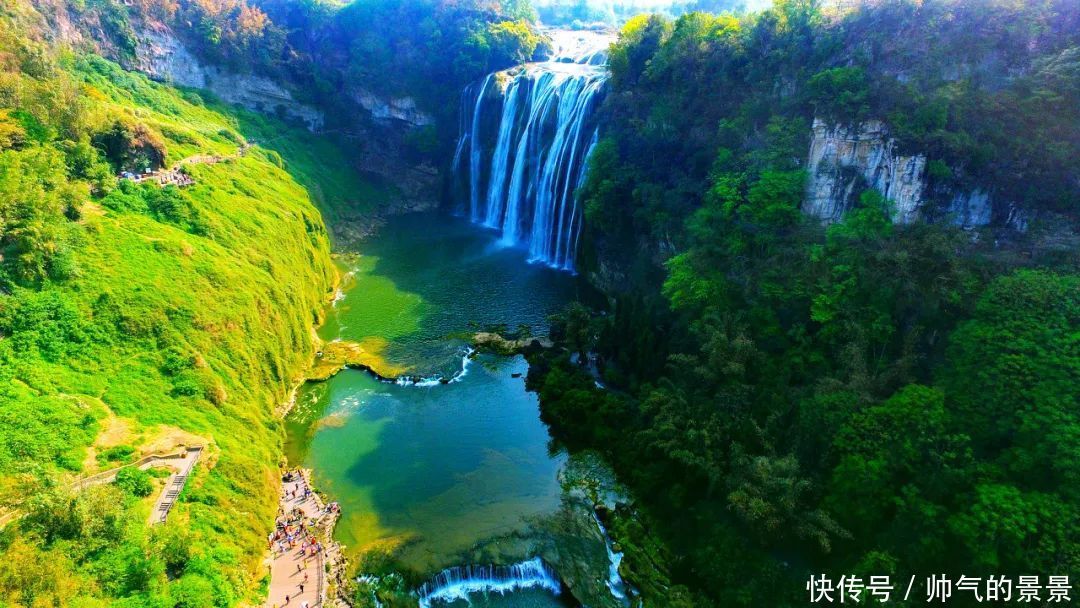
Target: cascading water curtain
{"type": "Point", "coordinates": [456, 584]}
{"type": "Point", "coordinates": [527, 146]}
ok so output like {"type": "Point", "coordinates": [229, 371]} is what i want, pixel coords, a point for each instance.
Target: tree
{"type": "Point", "coordinates": [1012, 376]}
{"type": "Point", "coordinates": [770, 496]}
{"type": "Point", "coordinates": [37, 238]}
{"type": "Point", "coordinates": [518, 10]}
{"type": "Point", "coordinates": [640, 38]}
{"type": "Point", "coordinates": [130, 147]}
{"type": "Point", "coordinates": [840, 94]}
{"type": "Point", "coordinates": [575, 327]}
{"type": "Point", "coordinates": [512, 42]}
{"type": "Point", "coordinates": [884, 293]}
{"type": "Point", "coordinates": [31, 577]}
{"type": "Point", "coordinates": [134, 481]}
{"type": "Point", "coordinates": [193, 591]}
{"type": "Point", "coordinates": [899, 464]}
{"type": "Point", "coordinates": [1006, 529]}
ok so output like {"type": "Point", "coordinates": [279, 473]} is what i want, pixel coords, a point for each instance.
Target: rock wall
{"type": "Point", "coordinates": [970, 209]}
{"type": "Point", "coordinates": [388, 110]}
{"type": "Point", "coordinates": [841, 157]}
{"type": "Point", "coordinates": [379, 130]}
{"type": "Point", "coordinates": [844, 160]}
{"type": "Point", "coordinates": [162, 56]}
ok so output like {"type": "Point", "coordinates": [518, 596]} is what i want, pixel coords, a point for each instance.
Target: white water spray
{"type": "Point", "coordinates": [615, 583]}
{"type": "Point", "coordinates": [524, 184]}
{"type": "Point", "coordinates": [459, 582]}
{"type": "Point", "coordinates": [430, 381]}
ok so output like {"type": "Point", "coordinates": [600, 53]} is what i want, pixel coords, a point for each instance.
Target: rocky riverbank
{"type": "Point", "coordinates": [337, 355]}
{"type": "Point", "coordinates": [495, 343]}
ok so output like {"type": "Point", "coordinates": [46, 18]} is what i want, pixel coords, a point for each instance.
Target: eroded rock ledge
{"type": "Point", "coordinates": [162, 56]}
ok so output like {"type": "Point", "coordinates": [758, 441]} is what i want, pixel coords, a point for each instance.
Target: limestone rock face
{"type": "Point", "coordinates": [845, 160]}
{"type": "Point", "coordinates": [403, 109]}
{"type": "Point", "coordinates": [971, 209]}
{"type": "Point", "coordinates": [162, 56]}
{"type": "Point", "coordinates": [842, 158]}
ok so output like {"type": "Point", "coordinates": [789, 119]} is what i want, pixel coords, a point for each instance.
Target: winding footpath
{"type": "Point", "coordinates": [176, 176]}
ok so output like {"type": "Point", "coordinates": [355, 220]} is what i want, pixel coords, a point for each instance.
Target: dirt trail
{"type": "Point", "coordinates": [175, 175]}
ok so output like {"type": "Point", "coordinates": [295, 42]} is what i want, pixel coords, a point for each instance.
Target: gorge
{"type": "Point", "coordinates": [482, 487]}
{"type": "Point", "coordinates": [677, 317]}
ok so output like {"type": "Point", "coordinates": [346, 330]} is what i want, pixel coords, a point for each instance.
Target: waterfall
{"type": "Point", "coordinates": [437, 380]}
{"type": "Point", "coordinates": [372, 582]}
{"type": "Point", "coordinates": [458, 582]}
{"type": "Point", "coordinates": [615, 583]}
{"type": "Point", "coordinates": [469, 127]}
{"type": "Point", "coordinates": [529, 133]}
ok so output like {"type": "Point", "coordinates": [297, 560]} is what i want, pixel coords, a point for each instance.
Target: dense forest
{"type": "Point", "coordinates": [860, 398]}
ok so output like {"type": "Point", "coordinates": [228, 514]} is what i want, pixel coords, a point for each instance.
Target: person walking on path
{"type": "Point", "coordinates": [299, 558]}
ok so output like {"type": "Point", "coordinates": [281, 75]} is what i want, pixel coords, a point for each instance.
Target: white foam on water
{"type": "Point", "coordinates": [615, 583]}
{"type": "Point", "coordinates": [432, 381]}
{"type": "Point", "coordinates": [459, 582]}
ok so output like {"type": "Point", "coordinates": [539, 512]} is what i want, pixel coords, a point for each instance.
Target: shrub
{"type": "Point", "coordinates": [117, 453]}
{"type": "Point", "coordinates": [840, 93]}
{"type": "Point", "coordinates": [134, 481]}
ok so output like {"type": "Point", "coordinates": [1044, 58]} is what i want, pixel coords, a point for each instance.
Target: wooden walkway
{"type": "Point", "coordinates": [183, 460]}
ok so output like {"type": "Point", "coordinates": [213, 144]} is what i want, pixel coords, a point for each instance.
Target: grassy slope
{"type": "Point", "coordinates": [201, 330]}
{"type": "Point", "coordinates": [322, 166]}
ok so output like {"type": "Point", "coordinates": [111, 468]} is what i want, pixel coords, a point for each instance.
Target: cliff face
{"type": "Point", "coordinates": [388, 110]}
{"type": "Point", "coordinates": [380, 127]}
{"type": "Point", "coordinates": [842, 159]}
{"type": "Point", "coordinates": [163, 57]}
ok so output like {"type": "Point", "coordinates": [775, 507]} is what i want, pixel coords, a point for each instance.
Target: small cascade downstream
{"type": "Point", "coordinates": [615, 583]}
{"type": "Point", "coordinates": [438, 380]}
{"type": "Point", "coordinates": [526, 135]}
{"type": "Point", "coordinates": [458, 582]}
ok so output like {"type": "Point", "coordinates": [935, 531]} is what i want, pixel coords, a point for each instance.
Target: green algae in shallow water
{"type": "Point", "coordinates": [374, 306]}
{"type": "Point", "coordinates": [429, 472]}
{"type": "Point", "coordinates": [427, 280]}
{"type": "Point", "coordinates": [435, 473]}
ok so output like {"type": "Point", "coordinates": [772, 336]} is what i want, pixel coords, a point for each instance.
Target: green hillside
{"type": "Point", "coordinates": [135, 317]}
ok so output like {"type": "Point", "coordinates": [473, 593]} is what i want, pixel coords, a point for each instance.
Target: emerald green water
{"type": "Point", "coordinates": [525, 598]}
{"type": "Point", "coordinates": [428, 472]}
{"type": "Point", "coordinates": [427, 281]}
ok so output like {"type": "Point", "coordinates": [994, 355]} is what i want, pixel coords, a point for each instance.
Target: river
{"type": "Point", "coordinates": [450, 486]}
{"type": "Point", "coordinates": [427, 473]}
